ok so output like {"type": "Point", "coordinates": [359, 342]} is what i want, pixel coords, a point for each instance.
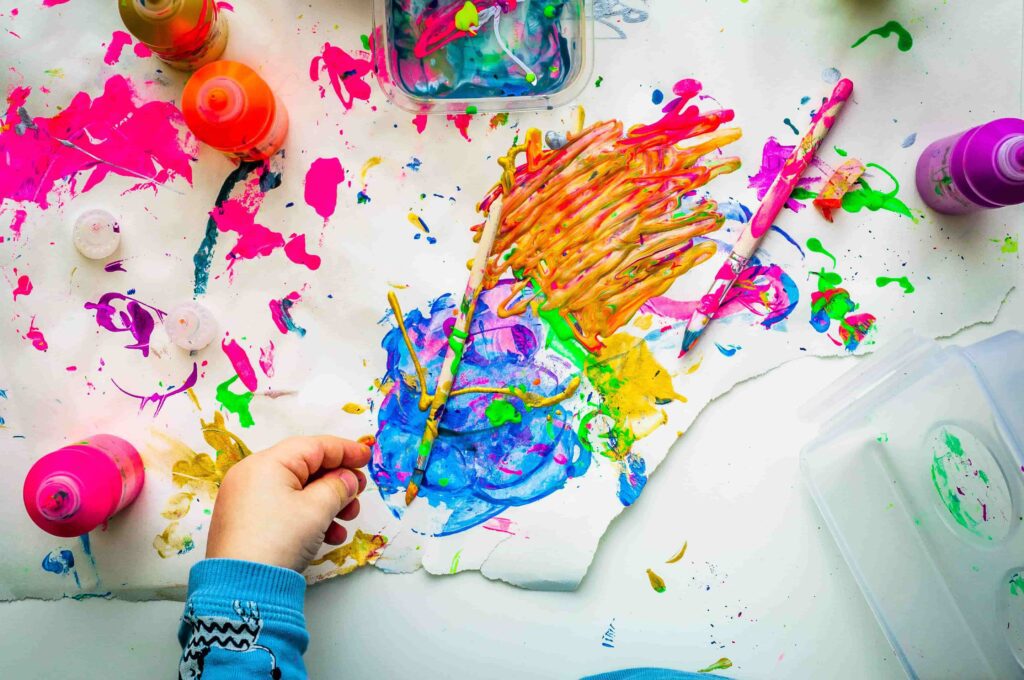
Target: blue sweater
{"type": "Point", "coordinates": [242, 620]}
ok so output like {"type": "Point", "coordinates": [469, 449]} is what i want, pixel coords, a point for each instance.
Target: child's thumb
{"type": "Point", "coordinates": [333, 491]}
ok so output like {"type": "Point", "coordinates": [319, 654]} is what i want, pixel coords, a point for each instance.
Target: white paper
{"type": "Point", "coordinates": [759, 59]}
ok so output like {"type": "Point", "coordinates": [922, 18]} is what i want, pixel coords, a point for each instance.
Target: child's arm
{"type": "Point", "coordinates": [243, 616]}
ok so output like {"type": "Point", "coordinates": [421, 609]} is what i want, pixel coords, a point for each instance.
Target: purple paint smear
{"type": "Point", "coordinates": [136, 318]}
{"type": "Point", "coordinates": [773, 157]}
{"type": "Point", "coordinates": [161, 398]}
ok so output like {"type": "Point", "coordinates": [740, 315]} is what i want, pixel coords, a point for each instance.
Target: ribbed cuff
{"type": "Point", "coordinates": [227, 580]}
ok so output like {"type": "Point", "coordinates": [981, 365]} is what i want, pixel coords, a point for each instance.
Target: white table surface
{"type": "Point", "coordinates": [762, 582]}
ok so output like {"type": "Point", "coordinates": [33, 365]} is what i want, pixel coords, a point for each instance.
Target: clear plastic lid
{"type": "Point", "coordinates": [919, 475]}
{"type": "Point", "coordinates": [479, 56]}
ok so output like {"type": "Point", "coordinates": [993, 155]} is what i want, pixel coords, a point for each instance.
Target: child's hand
{"type": "Point", "coordinates": [278, 506]}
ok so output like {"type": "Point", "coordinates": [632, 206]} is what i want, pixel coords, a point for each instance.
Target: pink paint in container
{"type": "Point", "coordinates": [974, 170]}
{"type": "Point", "coordinates": [77, 488]}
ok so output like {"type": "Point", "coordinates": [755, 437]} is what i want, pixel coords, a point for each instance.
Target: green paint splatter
{"type": "Point", "coordinates": [946, 460]}
{"type": "Point", "coordinates": [235, 403]}
{"type": "Point", "coordinates": [471, 109]}
{"type": "Point", "coordinates": [597, 83]}
{"type": "Point", "coordinates": [500, 412]}
{"type": "Point", "coordinates": [719, 665]}
{"type": "Point", "coordinates": [1008, 245]}
{"type": "Point", "coordinates": [905, 284]}
{"type": "Point", "coordinates": [549, 11]}
{"type": "Point", "coordinates": [842, 152]}
{"type": "Point", "coordinates": [530, 76]}
{"type": "Point", "coordinates": [815, 246]}
{"type": "Point", "coordinates": [365, 40]}
{"type": "Point", "coordinates": [874, 200]}
{"type": "Point", "coordinates": [1017, 584]}
{"type": "Point", "coordinates": [904, 40]}
{"type": "Point", "coordinates": [882, 438]}
{"type": "Point", "coordinates": [455, 562]}
{"type": "Point", "coordinates": [802, 194]}
{"type": "Point", "coordinates": [468, 17]}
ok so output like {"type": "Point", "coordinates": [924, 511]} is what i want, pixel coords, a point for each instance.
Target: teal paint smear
{"type": "Point", "coordinates": [1017, 585]}
{"type": "Point", "coordinates": [947, 490]}
{"type": "Point", "coordinates": [904, 42]}
{"type": "Point", "coordinates": [905, 284]}
{"type": "Point", "coordinates": [204, 255]}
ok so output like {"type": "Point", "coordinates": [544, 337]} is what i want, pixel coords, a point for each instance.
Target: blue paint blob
{"type": "Point", "coordinates": [61, 562]}
{"type": "Point", "coordinates": [657, 97]}
{"type": "Point", "coordinates": [804, 101]}
{"type": "Point", "coordinates": [414, 164]}
{"type": "Point", "coordinates": [909, 141]}
{"type": "Point", "coordinates": [632, 480]}
{"type": "Point", "coordinates": [728, 350]}
{"type": "Point", "coordinates": [362, 198]}
{"type": "Point", "coordinates": [831, 75]}
{"type": "Point", "coordinates": [477, 469]}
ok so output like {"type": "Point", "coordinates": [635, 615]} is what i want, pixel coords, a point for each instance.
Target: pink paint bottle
{"type": "Point", "coordinates": [77, 488]}
{"type": "Point", "coordinates": [974, 170]}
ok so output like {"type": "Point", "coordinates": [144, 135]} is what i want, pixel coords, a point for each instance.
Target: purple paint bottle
{"type": "Point", "coordinates": [978, 169]}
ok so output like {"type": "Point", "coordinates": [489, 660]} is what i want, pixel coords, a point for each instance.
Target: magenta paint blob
{"type": "Point", "coordinates": [77, 488]}
{"type": "Point", "coordinates": [978, 169]}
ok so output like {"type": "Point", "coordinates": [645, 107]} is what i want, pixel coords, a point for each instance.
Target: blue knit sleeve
{"type": "Point", "coordinates": [242, 620]}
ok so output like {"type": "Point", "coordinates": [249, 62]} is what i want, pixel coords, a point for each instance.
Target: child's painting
{"type": "Point", "coordinates": [333, 269]}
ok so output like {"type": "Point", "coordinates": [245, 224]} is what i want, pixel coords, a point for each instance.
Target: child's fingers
{"type": "Point", "coordinates": [336, 534]}
{"type": "Point", "coordinates": [349, 512]}
{"type": "Point", "coordinates": [332, 492]}
{"type": "Point", "coordinates": [303, 456]}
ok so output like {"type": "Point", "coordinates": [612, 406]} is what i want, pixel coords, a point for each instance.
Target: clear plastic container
{"type": "Point", "coordinates": [482, 56]}
{"type": "Point", "coordinates": [919, 475]}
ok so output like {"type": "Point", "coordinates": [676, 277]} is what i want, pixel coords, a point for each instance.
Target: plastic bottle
{"type": "Point", "coordinates": [184, 33]}
{"type": "Point", "coordinates": [231, 108]}
{"type": "Point", "coordinates": [77, 488]}
{"type": "Point", "coordinates": [974, 170]}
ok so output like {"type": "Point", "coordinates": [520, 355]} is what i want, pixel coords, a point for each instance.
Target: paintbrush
{"type": "Point", "coordinates": [456, 345]}
{"type": "Point", "coordinates": [778, 193]}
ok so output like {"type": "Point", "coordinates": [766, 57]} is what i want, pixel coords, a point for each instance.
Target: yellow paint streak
{"type": "Point", "coordinates": [354, 409]}
{"type": "Point", "coordinates": [415, 221]}
{"type": "Point", "coordinates": [644, 321]}
{"type": "Point", "coordinates": [398, 286]}
{"type": "Point", "coordinates": [200, 472]}
{"type": "Point", "coordinates": [363, 549]}
{"type": "Point", "coordinates": [633, 382]}
{"type": "Point", "coordinates": [178, 505]}
{"type": "Point", "coordinates": [170, 541]}
{"type": "Point", "coordinates": [657, 582]}
{"type": "Point", "coordinates": [195, 400]}
{"type": "Point", "coordinates": [696, 365]}
{"type": "Point", "coordinates": [679, 555]}
{"type": "Point", "coordinates": [530, 399]}
{"type": "Point", "coordinates": [372, 163]}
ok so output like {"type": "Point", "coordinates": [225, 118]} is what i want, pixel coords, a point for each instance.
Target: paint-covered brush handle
{"type": "Point", "coordinates": [793, 169]}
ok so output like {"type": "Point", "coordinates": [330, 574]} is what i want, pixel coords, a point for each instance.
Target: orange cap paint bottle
{"type": "Point", "coordinates": [184, 33]}
{"type": "Point", "coordinates": [230, 107]}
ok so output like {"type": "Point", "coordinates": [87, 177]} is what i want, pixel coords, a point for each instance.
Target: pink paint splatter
{"type": "Point", "coordinates": [240, 361]}
{"type": "Point", "coordinates": [225, 6]}
{"type": "Point", "coordinates": [773, 157]}
{"type": "Point", "coordinates": [322, 181]}
{"type": "Point", "coordinates": [501, 525]}
{"type": "Point", "coordinates": [53, 3]}
{"type": "Point", "coordinates": [142, 51]}
{"type": "Point", "coordinates": [280, 312]}
{"type": "Point", "coordinates": [35, 336]}
{"type": "Point", "coordinates": [765, 291]}
{"type": "Point", "coordinates": [461, 121]}
{"type": "Point", "coordinates": [420, 122]}
{"type": "Point", "coordinates": [267, 360]}
{"type": "Point", "coordinates": [132, 139]}
{"type": "Point", "coordinates": [344, 72]}
{"type": "Point", "coordinates": [24, 286]}
{"type": "Point", "coordinates": [295, 250]}
{"type": "Point", "coordinates": [118, 41]}
{"type": "Point", "coordinates": [17, 223]}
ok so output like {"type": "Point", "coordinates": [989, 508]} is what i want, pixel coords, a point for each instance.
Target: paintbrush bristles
{"type": "Point", "coordinates": [450, 361]}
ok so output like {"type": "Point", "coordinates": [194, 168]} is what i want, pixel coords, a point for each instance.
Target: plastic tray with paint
{"type": "Point", "coordinates": [470, 56]}
{"type": "Point", "coordinates": [919, 474]}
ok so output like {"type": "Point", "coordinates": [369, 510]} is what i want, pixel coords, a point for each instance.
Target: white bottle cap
{"type": "Point", "coordinates": [190, 326]}
{"type": "Point", "coordinates": [96, 234]}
